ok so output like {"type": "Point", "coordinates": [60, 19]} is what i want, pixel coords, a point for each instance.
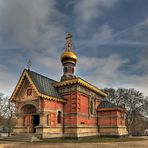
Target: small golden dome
{"type": "Point", "coordinates": [68, 56]}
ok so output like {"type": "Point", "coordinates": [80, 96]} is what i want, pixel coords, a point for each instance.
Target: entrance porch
{"type": "Point", "coordinates": [28, 119]}
{"type": "Point", "coordinates": [32, 121]}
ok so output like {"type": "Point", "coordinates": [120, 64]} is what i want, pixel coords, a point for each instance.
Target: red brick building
{"type": "Point", "coordinates": [71, 107]}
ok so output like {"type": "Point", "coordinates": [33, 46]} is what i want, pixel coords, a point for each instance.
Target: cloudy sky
{"type": "Point", "coordinates": [110, 38]}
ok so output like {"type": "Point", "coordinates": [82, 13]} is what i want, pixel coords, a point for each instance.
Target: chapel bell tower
{"type": "Point", "coordinates": [68, 59]}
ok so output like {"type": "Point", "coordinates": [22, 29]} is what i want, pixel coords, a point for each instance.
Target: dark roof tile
{"type": "Point", "coordinates": [106, 104]}
{"type": "Point", "coordinates": [44, 84]}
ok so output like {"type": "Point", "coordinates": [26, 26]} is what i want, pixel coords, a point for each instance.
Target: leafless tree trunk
{"type": "Point", "coordinates": [7, 113]}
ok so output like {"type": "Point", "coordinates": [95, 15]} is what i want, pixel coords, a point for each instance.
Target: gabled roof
{"type": "Point", "coordinates": [41, 84]}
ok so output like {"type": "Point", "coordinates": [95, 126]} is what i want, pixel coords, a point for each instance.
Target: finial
{"type": "Point", "coordinates": [29, 64]}
{"type": "Point", "coordinates": [68, 43]}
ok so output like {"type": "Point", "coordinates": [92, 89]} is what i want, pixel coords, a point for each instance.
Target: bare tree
{"type": "Point", "coordinates": [132, 100]}
{"type": "Point", "coordinates": [145, 106]}
{"type": "Point", "coordinates": [7, 112]}
{"type": "Point", "coordinates": [2, 107]}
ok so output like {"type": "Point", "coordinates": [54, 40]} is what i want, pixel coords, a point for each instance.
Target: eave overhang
{"type": "Point", "coordinates": [81, 82]}
{"type": "Point", "coordinates": [111, 109]}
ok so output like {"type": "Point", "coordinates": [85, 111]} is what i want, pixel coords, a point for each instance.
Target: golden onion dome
{"type": "Point", "coordinates": [68, 56]}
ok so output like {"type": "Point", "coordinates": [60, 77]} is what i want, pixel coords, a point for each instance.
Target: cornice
{"type": "Point", "coordinates": [80, 82]}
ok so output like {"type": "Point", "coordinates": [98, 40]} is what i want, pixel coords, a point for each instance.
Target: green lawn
{"type": "Point", "coordinates": [91, 140]}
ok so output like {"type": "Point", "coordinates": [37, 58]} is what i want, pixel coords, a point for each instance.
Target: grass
{"type": "Point", "coordinates": [91, 140]}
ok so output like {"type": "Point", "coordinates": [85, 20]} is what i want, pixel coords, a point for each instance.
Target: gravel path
{"type": "Point", "coordinates": [133, 144]}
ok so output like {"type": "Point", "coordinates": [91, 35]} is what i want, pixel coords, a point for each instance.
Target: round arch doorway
{"type": "Point", "coordinates": [31, 117]}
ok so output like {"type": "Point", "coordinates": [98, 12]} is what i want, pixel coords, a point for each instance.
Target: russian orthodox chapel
{"type": "Point", "coordinates": [71, 107]}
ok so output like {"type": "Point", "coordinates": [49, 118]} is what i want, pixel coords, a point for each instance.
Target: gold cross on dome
{"type": "Point", "coordinates": [68, 43]}
{"type": "Point", "coordinates": [29, 64]}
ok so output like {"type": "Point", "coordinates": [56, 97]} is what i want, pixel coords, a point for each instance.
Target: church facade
{"type": "Point", "coordinates": [71, 107]}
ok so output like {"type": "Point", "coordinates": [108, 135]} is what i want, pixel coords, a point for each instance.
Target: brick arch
{"type": "Point", "coordinates": [28, 109]}
{"type": "Point", "coordinates": [26, 103]}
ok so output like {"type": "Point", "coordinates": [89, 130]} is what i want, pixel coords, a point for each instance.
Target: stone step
{"type": "Point", "coordinates": [19, 140]}
{"type": "Point", "coordinates": [19, 137]}
{"type": "Point", "coordinates": [16, 140]}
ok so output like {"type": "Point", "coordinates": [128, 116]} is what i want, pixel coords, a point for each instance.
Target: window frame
{"type": "Point", "coordinates": [29, 92]}
{"type": "Point", "coordinates": [59, 117]}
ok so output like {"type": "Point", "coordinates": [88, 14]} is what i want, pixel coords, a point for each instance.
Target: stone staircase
{"type": "Point", "coordinates": [20, 138]}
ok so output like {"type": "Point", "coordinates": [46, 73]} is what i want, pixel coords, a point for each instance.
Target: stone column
{"type": "Point", "coordinates": [20, 121]}
{"type": "Point", "coordinates": [43, 119]}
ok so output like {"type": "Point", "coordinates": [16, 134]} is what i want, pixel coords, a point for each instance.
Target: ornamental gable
{"type": "Point", "coordinates": [25, 91]}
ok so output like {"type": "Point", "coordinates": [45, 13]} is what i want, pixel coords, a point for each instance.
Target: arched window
{"type": "Point", "coordinates": [29, 92]}
{"type": "Point", "coordinates": [59, 117]}
{"type": "Point", "coordinates": [72, 70]}
{"type": "Point", "coordinates": [91, 107]}
{"type": "Point", "coordinates": [65, 69]}
{"type": "Point", "coordinates": [48, 118]}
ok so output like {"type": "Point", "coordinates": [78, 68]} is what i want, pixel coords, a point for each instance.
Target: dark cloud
{"type": "Point", "coordinates": [110, 38]}
{"type": "Point", "coordinates": [143, 61]}
{"type": "Point", "coordinates": [29, 23]}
